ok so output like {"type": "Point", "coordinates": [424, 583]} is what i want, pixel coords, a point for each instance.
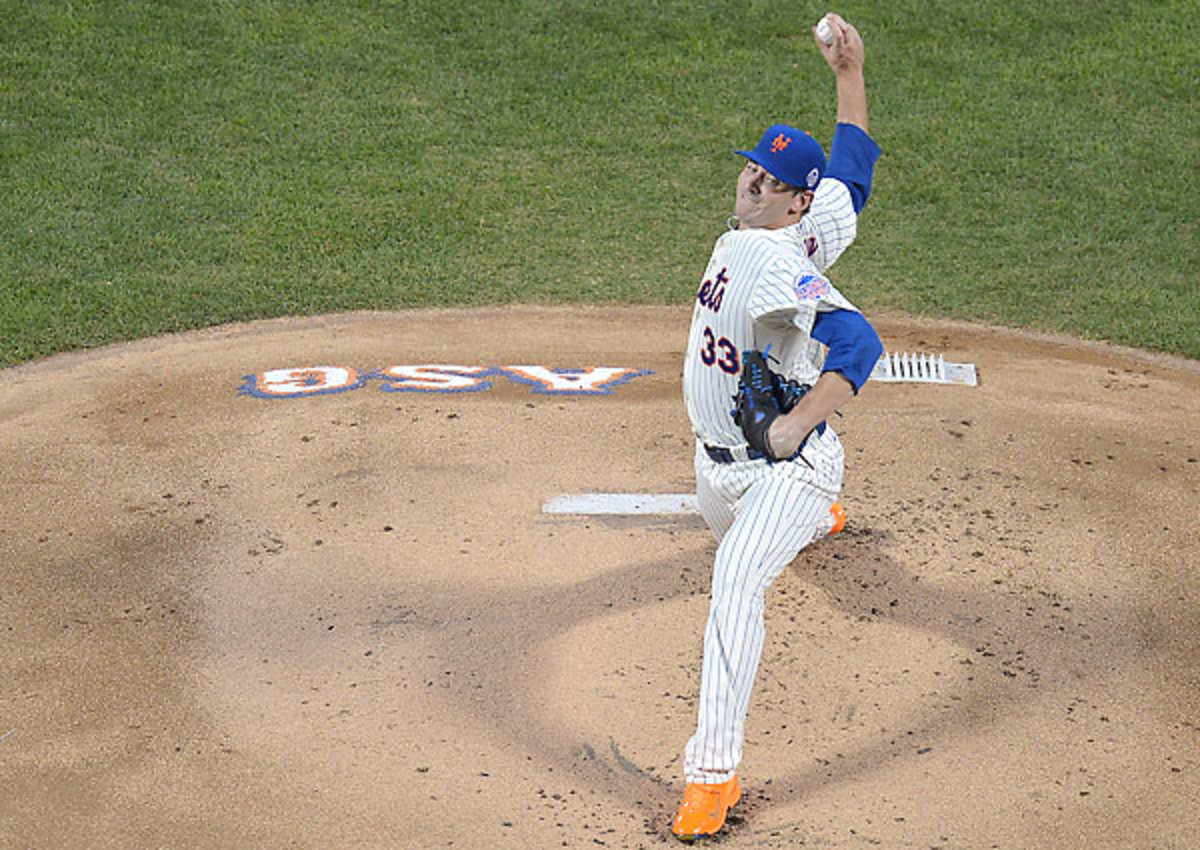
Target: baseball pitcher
{"type": "Point", "coordinates": [773, 351]}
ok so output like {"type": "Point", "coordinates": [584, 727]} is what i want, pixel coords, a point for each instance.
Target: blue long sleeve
{"type": "Point", "coordinates": [852, 158]}
{"type": "Point", "coordinates": [854, 346]}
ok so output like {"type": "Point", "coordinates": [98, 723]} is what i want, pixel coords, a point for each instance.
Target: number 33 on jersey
{"type": "Point", "coordinates": [721, 329]}
{"type": "Point", "coordinates": [752, 278]}
{"type": "Point", "coordinates": [721, 353]}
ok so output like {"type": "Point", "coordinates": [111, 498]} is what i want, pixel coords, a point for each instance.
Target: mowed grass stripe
{"type": "Point", "coordinates": [176, 165]}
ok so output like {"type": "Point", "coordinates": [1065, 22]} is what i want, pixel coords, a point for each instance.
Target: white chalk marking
{"type": "Point", "coordinates": [6, 734]}
{"type": "Point", "coordinates": [622, 503]}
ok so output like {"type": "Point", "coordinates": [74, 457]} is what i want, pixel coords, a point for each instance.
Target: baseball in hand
{"type": "Point", "coordinates": [824, 31]}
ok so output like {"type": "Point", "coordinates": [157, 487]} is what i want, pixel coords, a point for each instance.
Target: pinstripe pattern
{"type": "Point", "coordinates": [759, 306]}
{"type": "Point", "coordinates": [762, 267]}
{"type": "Point", "coordinates": [763, 514]}
{"type": "Point", "coordinates": [830, 223]}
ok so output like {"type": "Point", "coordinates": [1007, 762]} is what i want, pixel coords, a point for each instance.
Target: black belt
{"type": "Point", "coordinates": [720, 454]}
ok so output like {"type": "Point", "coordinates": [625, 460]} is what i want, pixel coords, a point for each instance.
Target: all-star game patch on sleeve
{"type": "Point", "coordinates": [808, 290]}
{"type": "Point", "coordinates": [812, 286]}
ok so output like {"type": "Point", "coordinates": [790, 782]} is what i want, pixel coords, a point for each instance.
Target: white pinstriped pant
{"type": "Point", "coordinates": [762, 515]}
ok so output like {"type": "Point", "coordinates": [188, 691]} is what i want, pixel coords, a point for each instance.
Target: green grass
{"type": "Point", "coordinates": [173, 165]}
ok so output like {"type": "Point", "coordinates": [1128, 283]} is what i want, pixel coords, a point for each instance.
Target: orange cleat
{"type": "Point", "coordinates": [839, 517]}
{"type": "Point", "coordinates": [703, 809]}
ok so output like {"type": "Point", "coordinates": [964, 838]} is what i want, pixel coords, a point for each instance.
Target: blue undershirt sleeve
{"type": "Point", "coordinates": [854, 347]}
{"type": "Point", "coordinates": [852, 158]}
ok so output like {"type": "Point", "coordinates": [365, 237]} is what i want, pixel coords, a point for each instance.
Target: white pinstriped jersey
{"type": "Point", "coordinates": [758, 290]}
{"type": "Point", "coordinates": [761, 287]}
{"type": "Point", "coordinates": [829, 226]}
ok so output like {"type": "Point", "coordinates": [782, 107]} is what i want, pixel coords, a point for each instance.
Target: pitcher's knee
{"type": "Point", "coordinates": [733, 592]}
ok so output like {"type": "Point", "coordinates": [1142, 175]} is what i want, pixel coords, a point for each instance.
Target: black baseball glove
{"type": "Point", "coordinates": [762, 396]}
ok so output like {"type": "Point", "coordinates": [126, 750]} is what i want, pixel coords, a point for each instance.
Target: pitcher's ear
{"type": "Point", "coordinates": [801, 202]}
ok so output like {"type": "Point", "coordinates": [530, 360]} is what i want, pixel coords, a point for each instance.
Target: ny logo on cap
{"type": "Point", "coordinates": [779, 143]}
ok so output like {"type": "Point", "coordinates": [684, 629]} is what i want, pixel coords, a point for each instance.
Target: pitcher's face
{"type": "Point", "coordinates": [764, 200]}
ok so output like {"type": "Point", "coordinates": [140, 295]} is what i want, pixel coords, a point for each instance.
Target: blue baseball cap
{"type": "Point", "coordinates": [790, 155]}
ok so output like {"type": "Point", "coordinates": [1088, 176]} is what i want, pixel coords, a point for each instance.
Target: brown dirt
{"type": "Point", "coordinates": [343, 621]}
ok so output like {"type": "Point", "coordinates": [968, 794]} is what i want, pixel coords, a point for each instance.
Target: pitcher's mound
{"type": "Point", "coordinates": [276, 586]}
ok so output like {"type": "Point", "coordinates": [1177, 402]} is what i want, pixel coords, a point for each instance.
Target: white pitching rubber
{"type": "Point", "coordinates": [923, 368]}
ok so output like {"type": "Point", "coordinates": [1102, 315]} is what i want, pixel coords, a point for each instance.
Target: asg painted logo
{"type": "Point", "coordinates": [298, 382]}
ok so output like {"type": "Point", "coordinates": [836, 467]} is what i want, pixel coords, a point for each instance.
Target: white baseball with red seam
{"type": "Point", "coordinates": [824, 31]}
